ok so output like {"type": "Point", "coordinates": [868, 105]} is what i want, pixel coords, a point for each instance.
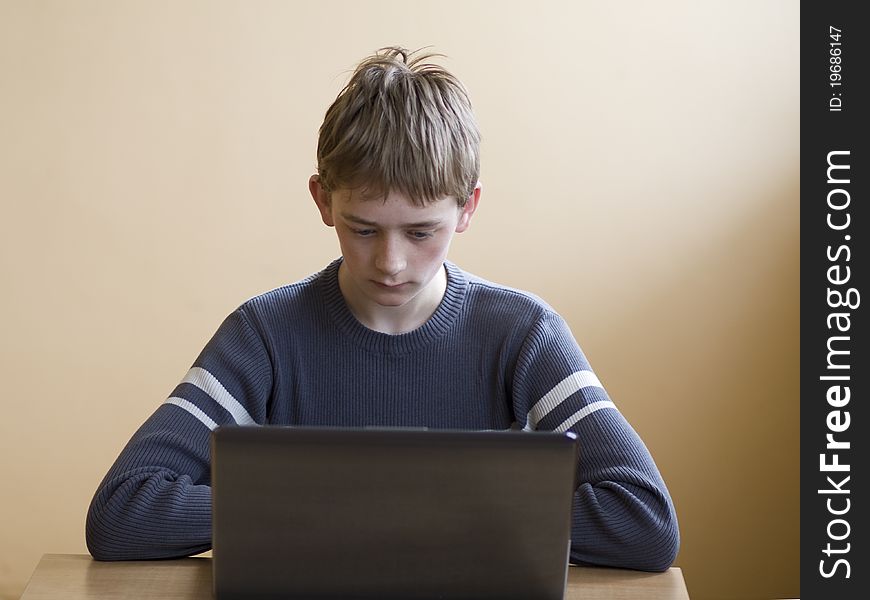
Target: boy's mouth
{"type": "Point", "coordinates": [389, 286]}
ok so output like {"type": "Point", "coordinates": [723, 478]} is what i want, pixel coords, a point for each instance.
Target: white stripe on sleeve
{"type": "Point", "coordinates": [560, 392]}
{"type": "Point", "coordinates": [194, 410]}
{"type": "Point", "coordinates": [584, 412]}
{"type": "Point", "coordinates": [209, 384]}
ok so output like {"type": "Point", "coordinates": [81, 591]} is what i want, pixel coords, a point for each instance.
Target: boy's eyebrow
{"type": "Point", "coordinates": [418, 225]}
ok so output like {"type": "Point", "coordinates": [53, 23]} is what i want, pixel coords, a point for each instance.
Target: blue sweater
{"type": "Point", "coordinates": [490, 357]}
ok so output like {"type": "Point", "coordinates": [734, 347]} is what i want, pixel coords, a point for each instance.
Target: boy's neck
{"type": "Point", "coordinates": [394, 320]}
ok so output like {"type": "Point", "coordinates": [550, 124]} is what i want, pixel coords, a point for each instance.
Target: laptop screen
{"type": "Point", "coordinates": [391, 513]}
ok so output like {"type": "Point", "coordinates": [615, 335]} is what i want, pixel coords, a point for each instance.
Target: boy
{"type": "Point", "coordinates": [389, 334]}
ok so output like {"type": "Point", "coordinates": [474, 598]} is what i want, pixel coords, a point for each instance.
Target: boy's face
{"type": "Point", "coordinates": [393, 250]}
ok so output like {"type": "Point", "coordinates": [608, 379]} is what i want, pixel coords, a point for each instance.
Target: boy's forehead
{"type": "Point", "coordinates": [394, 208]}
{"type": "Point", "coordinates": [370, 195]}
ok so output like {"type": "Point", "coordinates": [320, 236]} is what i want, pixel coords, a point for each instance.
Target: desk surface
{"type": "Point", "coordinates": [76, 577]}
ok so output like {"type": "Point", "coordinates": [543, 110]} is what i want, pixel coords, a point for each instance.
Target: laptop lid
{"type": "Point", "coordinates": [391, 513]}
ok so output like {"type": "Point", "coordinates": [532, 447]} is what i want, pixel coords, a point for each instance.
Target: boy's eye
{"type": "Point", "coordinates": [364, 232]}
{"type": "Point", "coordinates": [420, 235]}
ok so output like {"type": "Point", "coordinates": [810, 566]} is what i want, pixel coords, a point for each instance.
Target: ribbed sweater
{"type": "Point", "coordinates": [490, 357]}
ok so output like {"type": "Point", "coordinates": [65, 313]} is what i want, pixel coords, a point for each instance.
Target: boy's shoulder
{"type": "Point", "coordinates": [310, 290]}
{"type": "Point", "coordinates": [497, 296]}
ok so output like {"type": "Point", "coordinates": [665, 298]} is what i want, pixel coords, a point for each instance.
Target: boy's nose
{"type": "Point", "coordinates": [389, 259]}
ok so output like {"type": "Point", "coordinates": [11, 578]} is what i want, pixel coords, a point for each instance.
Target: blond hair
{"type": "Point", "coordinates": [401, 124]}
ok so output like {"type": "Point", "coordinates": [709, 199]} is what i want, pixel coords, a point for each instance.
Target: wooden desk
{"type": "Point", "coordinates": [78, 577]}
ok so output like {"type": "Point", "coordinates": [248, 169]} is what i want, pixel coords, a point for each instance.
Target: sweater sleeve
{"type": "Point", "coordinates": [623, 515]}
{"type": "Point", "coordinates": [155, 501]}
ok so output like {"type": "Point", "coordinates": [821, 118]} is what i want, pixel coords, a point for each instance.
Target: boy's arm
{"type": "Point", "coordinates": [155, 501]}
{"type": "Point", "coordinates": [623, 515]}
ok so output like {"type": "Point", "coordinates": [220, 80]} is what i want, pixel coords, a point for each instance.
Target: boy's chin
{"type": "Point", "coordinates": [391, 299]}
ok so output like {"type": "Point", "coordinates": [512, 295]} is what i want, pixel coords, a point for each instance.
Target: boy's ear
{"type": "Point", "coordinates": [469, 208]}
{"type": "Point", "coordinates": [321, 199]}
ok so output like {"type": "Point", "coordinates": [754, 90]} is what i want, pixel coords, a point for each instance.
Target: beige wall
{"type": "Point", "coordinates": [640, 170]}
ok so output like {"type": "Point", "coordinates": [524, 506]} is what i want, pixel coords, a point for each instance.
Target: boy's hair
{"type": "Point", "coordinates": [401, 124]}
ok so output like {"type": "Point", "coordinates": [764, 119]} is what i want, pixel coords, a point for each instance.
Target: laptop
{"type": "Point", "coordinates": [311, 512]}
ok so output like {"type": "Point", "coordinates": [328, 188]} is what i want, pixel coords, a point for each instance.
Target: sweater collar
{"type": "Point", "coordinates": [436, 326]}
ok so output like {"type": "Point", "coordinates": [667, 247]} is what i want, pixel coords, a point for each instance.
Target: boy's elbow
{"type": "Point", "coordinates": [98, 538]}
{"type": "Point", "coordinates": [666, 556]}
{"type": "Point", "coordinates": [658, 550]}
{"type": "Point", "coordinates": [652, 547]}
{"type": "Point", "coordinates": [97, 548]}
{"type": "Point", "coordinates": [112, 544]}
{"type": "Point", "coordinates": [108, 533]}
{"type": "Point", "coordinates": [122, 531]}
{"type": "Point", "coordinates": [100, 552]}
